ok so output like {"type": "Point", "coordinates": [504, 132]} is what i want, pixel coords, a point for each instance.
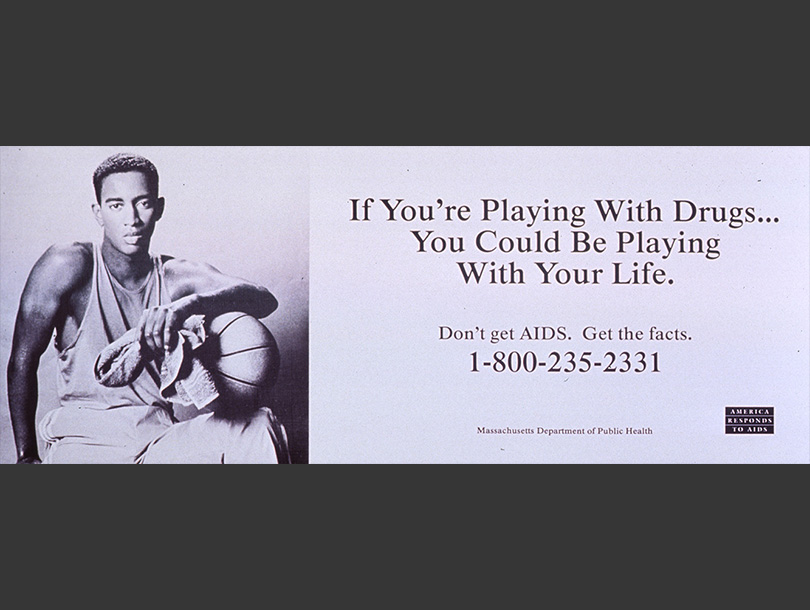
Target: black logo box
{"type": "Point", "coordinates": [749, 420]}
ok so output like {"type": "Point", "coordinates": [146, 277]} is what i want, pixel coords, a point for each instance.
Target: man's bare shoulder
{"type": "Point", "coordinates": [180, 266]}
{"type": "Point", "coordinates": [188, 277]}
{"type": "Point", "coordinates": [63, 266]}
{"type": "Point", "coordinates": [76, 252]}
{"type": "Point", "coordinates": [181, 271]}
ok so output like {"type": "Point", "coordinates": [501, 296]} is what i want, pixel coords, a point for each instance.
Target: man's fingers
{"type": "Point", "coordinates": [170, 330]}
{"type": "Point", "coordinates": [149, 339]}
{"type": "Point", "coordinates": [158, 328]}
{"type": "Point", "coordinates": [153, 321]}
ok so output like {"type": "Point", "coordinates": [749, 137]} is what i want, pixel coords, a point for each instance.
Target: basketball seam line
{"type": "Point", "coordinates": [222, 330]}
{"type": "Point", "coordinates": [247, 349]}
{"type": "Point", "coordinates": [255, 385]}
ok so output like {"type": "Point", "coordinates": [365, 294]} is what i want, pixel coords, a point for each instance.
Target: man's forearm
{"type": "Point", "coordinates": [254, 300]}
{"type": "Point", "coordinates": [23, 394]}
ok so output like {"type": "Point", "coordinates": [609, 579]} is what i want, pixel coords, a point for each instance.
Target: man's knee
{"type": "Point", "coordinates": [262, 436]}
{"type": "Point", "coordinates": [212, 438]}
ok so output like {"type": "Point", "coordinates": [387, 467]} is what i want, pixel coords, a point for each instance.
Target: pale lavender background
{"type": "Point", "coordinates": [386, 390]}
{"type": "Point", "coordinates": [244, 210]}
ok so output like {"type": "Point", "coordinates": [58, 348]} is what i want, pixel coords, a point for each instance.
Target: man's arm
{"type": "Point", "coordinates": [51, 281]}
{"type": "Point", "coordinates": [198, 288]}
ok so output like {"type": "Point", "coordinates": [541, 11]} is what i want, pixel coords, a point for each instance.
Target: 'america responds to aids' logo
{"type": "Point", "coordinates": [749, 420]}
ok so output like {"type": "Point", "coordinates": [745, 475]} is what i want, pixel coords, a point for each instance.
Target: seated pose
{"type": "Point", "coordinates": [91, 294]}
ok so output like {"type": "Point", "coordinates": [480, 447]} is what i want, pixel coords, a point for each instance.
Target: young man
{"type": "Point", "coordinates": [90, 295]}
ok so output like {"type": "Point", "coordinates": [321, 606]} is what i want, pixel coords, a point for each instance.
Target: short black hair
{"type": "Point", "coordinates": [125, 162]}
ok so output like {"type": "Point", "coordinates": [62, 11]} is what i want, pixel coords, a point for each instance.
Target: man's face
{"type": "Point", "coordinates": [128, 211]}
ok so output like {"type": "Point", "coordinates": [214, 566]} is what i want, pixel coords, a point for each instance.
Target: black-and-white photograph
{"type": "Point", "coordinates": [155, 305]}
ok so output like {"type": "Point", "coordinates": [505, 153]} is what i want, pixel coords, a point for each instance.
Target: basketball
{"type": "Point", "coordinates": [243, 357]}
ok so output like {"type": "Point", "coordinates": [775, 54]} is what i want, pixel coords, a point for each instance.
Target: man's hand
{"type": "Point", "coordinates": [158, 326]}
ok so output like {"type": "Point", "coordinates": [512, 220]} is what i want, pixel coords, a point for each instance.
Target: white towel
{"type": "Point", "coordinates": [183, 377]}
